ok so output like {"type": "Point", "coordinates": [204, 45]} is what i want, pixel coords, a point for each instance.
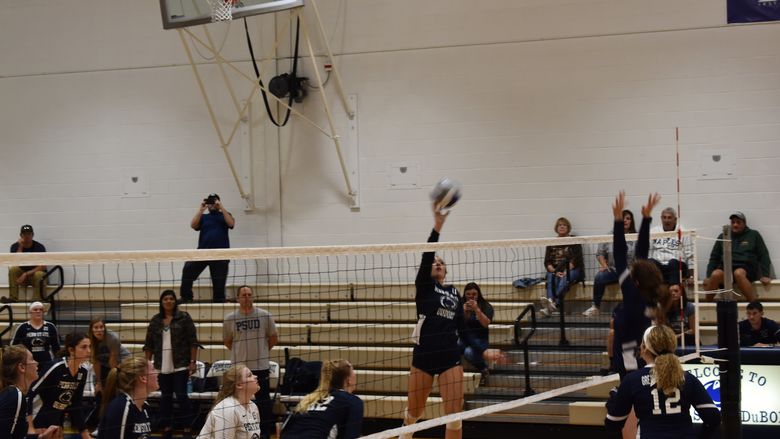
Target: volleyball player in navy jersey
{"type": "Point", "coordinates": [18, 369]}
{"type": "Point", "coordinates": [331, 411]}
{"type": "Point", "coordinates": [436, 350]}
{"type": "Point", "coordinates": [662, 394]}
{"type": "Point", "coordinates": [642, 286]}
{"type": "Point", "coordinates": [60, 388]}
{"type": "Point", "coordinates": [124, 413]}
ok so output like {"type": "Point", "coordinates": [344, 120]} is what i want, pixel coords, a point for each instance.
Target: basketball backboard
{"type": "Point", "coordinates": [183, 13]}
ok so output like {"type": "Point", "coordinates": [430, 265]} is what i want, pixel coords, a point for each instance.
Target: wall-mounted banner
{"type": "Point", "coordinates": [760, 391]}
{"type": "Point", "coordinates": [751, 11]}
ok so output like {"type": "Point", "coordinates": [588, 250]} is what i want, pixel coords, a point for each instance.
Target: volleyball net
{"type": "Point", "coordinates": [357, 303]}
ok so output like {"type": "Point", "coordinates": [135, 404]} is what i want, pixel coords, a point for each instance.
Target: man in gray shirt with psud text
{"type": "Point", "coordinates": [250, 333]}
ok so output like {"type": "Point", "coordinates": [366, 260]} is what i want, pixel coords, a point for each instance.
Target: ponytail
{"type": "Point", "coordinates": [661, 342]}
{"type": "Point", "coordinates": [123, 378]}
{"type": "Point", "coordinates": [333, 375]}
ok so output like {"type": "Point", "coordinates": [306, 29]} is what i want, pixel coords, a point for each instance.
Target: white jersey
{"type": "Point", "coordinates": [232, 420]}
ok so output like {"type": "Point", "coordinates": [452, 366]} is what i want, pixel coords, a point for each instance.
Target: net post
{"type": "Point", "coordinates": [728, 337]}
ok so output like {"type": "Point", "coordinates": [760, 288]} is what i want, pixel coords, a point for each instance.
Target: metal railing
{"type": "Point", "coordinates": [521, 340]}
{"type": "Point", "coordinates": [10, 321]}
{"type": "Point", "coordinates": [50, 296]}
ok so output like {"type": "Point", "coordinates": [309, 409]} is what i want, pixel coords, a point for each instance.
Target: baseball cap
{"type": "Point", "coordinates": [27, 229]}
{"type": "Point", "coordinates": [739, 215]}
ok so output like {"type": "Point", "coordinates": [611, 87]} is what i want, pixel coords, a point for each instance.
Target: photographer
{"type": "Point", "coordinates": [213, 222]}
{"type": "Point", "coordinates": [473, 339]}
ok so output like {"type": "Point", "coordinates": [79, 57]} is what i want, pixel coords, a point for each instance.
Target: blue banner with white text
{"type": "Point", "coordinates": [751, 11]}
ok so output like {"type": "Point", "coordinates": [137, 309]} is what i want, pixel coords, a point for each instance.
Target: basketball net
{"type": "Point", "coordinates": [221, 10]}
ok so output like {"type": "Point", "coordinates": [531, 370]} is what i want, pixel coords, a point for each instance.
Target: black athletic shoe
{"type": "Point", "coordinates": [185, 300]}
{"type": "Point", "coordinates": [7, 300]}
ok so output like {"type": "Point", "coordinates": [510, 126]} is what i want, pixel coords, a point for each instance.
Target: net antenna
{"type": "Point", "coordinates": [185, 16]}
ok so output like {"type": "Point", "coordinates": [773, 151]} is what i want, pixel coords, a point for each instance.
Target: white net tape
{"type": "Point", "coordinates": [504, 406]}
{"type": "Point", "coordinates": [221, 10]}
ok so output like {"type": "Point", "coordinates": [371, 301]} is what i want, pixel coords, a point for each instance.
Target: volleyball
{"type": "Point", "coordinates": [446, 193]}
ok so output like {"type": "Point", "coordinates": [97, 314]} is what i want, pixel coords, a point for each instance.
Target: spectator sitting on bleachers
{"type": "Point", "coordinates": [564, 265]}
{"type": "Point", "coordinates": [607, 274]}
{"type": "Point", "coordinates": [664, 252]}
{"type": "Point", "coordinates": [234, 415]}
{"type": "Point", "coordinates": [757, 330]}
{"type": "Point", "coordinates": [23, 276]}
{"type": "Point", "coordinates": [680, 313]}
{"type": "Point", "coordinates": [473, 339]}
{"type": "Point", "coordinates": [749, 258]}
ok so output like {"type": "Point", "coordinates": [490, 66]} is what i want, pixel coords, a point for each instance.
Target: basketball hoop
{"type": "Point", "coordinates": [221, 10]}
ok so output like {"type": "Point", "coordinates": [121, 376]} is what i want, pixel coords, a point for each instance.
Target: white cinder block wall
{"type": "Point", "coordinates": [542, 109]}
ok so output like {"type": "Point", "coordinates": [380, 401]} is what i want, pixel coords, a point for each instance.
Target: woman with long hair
{"type": "Point", "coordinates": [18, 370]}
{"type": "Point", "coordinates": [606, 274]}
{"type": "Point", "coordinates": [172, 342]}
{"type": "Point", "coordinates": [107, 351]}
{"type": "Point", "coordinates": [234, 415]}
{"type": "Point", "coordinates": [662, 393]}
{"type": "Point", "coordinates": [60, 388]}
{"type": "Point", "coordinates": [331, 411]}
{"type": "Point", "coordinates": [124, 413]}
{"type": "Point", "coordinates": [436, 349]}
{"type": "Point", "coordinates": [564, 266]}
{"type": "Point", "coordinates": [680, 313]}
{"type": "Point", "coordinates": [644, 292]}
{"type": "Point", "coordinates": [473, 339]}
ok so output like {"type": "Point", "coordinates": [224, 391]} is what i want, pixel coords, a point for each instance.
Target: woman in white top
{"type": "Point", "coordinates": [234, 415]}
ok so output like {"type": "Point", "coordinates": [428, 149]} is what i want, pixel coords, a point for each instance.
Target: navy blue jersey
{"type": "Point", "coordinates": [438, 308]}
{"type": "Point", "coordinates": [339, 416]}
{"type": "Point", "coordinates": [768, 333]}
{"type": "Point", "coordinates": [13, 412]}
{"type": "Point", "coordinates": [634, 316]}
{"type": "Point", "coordinates": [661, 416]}
{"type": "Point", "coordinates": [43, 342]}
{"type": "Point", "coordinates": [58, 392]}
{"type": "Point", "coordinates": [123, 420]}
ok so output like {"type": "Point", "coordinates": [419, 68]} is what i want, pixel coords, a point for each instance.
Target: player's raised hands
{"type": "Point", "coordinates": [652, 201]}
{"type": "Point", "coordinates": [618, 205]}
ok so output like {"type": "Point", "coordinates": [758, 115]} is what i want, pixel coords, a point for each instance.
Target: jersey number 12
{"type": "Point", "coordinates": [672, 406]}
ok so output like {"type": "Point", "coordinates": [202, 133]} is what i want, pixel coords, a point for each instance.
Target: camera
{"type": "Point", "coordinates": [211, 199]}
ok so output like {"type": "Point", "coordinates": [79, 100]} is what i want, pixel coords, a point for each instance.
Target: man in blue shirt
{"type": "Point", "coordinates": [213, 223]}
{"type": "Point", "coordinates": [757, 330]}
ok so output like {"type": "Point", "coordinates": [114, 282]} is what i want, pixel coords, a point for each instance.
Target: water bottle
{"type": "Point", "coordinates": [189, 385]}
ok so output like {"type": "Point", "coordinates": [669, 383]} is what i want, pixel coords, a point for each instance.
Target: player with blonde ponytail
{"type": "Point", "coordinates": [331, 410]}
{"type": "Point", "coordinates": [662, 393]}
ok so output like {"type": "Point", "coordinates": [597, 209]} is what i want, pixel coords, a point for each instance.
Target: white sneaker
{"type": "Point", "coordinates": [544, 313]}
{"type": "Point", "coordinates": [552, 306]}
{"type": "Point", "coordinates": [591, 312]}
